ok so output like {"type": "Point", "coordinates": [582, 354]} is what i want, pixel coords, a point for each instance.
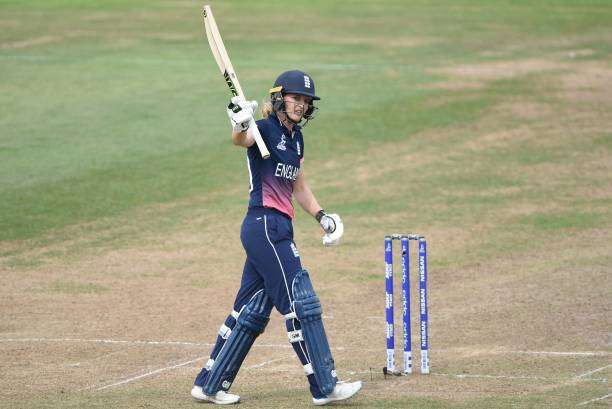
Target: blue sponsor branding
{"type": "Point", "coordinates": [390, 331]}
{"type": "Point", "coordinates": [424, 335]}
{"type": "Point", "coordinates": [423, 299]}
{"type": "Point", "coordinates": [421, 267]}
{"type": "Point", "coordinates": [389, 300]}
{"type": "Point", "coordinates": [388, 270]}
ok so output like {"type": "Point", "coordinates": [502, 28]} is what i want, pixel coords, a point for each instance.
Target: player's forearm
{"type": "Point", "coordinates": [307, 200]}
{"type": "Point", "coordinates": [242, 139]}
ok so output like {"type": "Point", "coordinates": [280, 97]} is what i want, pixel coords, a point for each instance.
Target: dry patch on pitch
{"type": "Point", "coordinates": [364, 173]}
{"type": "Point", "coordinates": [152, 298]}
{"type": "Point", "coordinates": [168, 36]}
{"type": "Point", "coordinates": [101, 26]}
{"type": "Point", "coordinates": [385, 42]}
{"type": "Point", "coordinates": [583, 83]}
{"type": "Point", "coordinates": [577, 53]}
{"type": "Point", "coordinates": [544, 308]}
{"type": "Point", "coordinates": [497, 70]}
{"type": "Point", "coordinates": [31, 42]}
{"type": "Point", "coordinates": [474, 76]}
{"type": "Point", "coordinates": [524, 109]}
{"type": "Point", "coordinates": [588, 83]}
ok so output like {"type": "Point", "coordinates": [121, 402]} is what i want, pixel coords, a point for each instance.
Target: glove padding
{"type": "Point", "coordinates": [333, 227]}
{"type": "Point", "coordinates": [240, 113]}
{"type": "Point", "coordinates": [328, 223]}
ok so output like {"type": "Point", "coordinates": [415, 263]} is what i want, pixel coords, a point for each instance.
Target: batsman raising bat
{"type": "Point", "coordinates": [273, 275]}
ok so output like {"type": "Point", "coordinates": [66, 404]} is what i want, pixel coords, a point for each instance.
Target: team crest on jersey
{"type": "Point", "coordinates": [282, 144]}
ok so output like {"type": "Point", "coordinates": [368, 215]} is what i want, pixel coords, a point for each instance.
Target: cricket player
{"type": "Point", "coordinates": [273, 275]}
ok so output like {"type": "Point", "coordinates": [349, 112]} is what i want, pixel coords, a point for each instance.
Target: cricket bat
{"type": "Point", "coordinates": [225, 65]}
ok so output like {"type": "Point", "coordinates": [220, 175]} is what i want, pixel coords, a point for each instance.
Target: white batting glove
{"type": "Point", "coordinates": [240, 113]}
{"type": "Point", "coordinates": [332, 226]}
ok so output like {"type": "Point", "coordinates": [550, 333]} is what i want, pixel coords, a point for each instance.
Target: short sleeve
{"type": "Point", "coordinates": [262, 125]}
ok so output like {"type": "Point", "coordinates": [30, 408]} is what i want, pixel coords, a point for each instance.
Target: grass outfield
{"type": "Point", "coordinates": [484, 125]}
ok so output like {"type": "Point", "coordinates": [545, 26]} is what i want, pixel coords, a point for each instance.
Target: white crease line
{"type": "Point", "coordinates": [286, 346]}
{"type": "Point", "coordinates": [459, 376]}
{"type": "Point", "coordinates": [502, 352]}
{"type": "Point", "coordinates": [517, 377]}
{"type": "Point", "coordinates": [167, 368]}
{"type": "Point", "coordinates": [584, 375]}
{"type": "Point", "coordinates": [137, 342]}
{"type": "Point", "coordinates": [266, 363]}
{"type": "Point", "coordinates": [107, 341]}
{"type": "Point", "coordinates": [595, 400]}
{"type": "Point", "coordinates": [586, 353]}
{"type": "Point", "coordinates": [510, 377]}
{"type": "Point", "coordinates": [151, 373]}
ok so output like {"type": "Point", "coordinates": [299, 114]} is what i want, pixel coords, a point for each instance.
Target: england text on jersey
{"type": "Point", "coordinates": [286, 171]}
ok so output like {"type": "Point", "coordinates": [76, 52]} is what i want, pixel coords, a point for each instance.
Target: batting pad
{"type": "Point", "coordinates": [251, 322]}
{"type": "Point", "coordinates": [308, 311]}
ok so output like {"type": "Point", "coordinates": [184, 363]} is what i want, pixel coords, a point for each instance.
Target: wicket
{"type": "Point", "coordinates": [424, 318]}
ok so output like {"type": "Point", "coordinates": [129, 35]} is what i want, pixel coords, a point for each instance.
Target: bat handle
{"type": "Point", "coordinates": [259, 140]}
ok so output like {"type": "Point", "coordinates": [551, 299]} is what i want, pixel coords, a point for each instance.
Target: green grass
{"type": "Point", "coordinates": [126, 126]}
{"type": "Point", "coordinates": [563, 221]}
{"type": "Point", "coordinates": [114, 139]}
{"type": "Point", "coordinates": [92, 128]}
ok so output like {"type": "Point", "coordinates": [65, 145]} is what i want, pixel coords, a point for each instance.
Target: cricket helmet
{"type": "Point", "coordinates": [293, 82]}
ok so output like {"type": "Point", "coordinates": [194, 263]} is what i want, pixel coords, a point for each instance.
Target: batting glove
{"type": "Point", "coordinates": [332, 226]}
{"type": "Point", "coordinates": [240, 113]}
{"type": "Point", "coordinates": [328, 224]}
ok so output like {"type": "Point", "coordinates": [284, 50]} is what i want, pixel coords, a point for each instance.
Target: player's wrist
{"type": "Point", "coordinates": [319, 215]}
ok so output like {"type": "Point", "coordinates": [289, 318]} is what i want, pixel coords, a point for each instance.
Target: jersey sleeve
{"type": "Point", "coordinates": [262, 125]}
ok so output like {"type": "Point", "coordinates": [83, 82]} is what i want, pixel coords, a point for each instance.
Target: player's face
{"type": "Point", "coordinates": [296, 105]}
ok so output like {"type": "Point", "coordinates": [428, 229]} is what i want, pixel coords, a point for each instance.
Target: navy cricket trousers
{"type": "Point", "coordinates": [272, 258]}
{"type": "Point", "coordinates": [272, 261]}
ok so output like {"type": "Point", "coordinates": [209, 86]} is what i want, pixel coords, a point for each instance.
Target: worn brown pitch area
{"type": "Point", "coordinates": [491, 322]}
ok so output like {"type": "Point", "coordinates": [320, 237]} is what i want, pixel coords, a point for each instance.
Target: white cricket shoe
{"type": "Point", "coordinates": [220, 398]}
{"type": "Point", "coordinates": [342, 390]}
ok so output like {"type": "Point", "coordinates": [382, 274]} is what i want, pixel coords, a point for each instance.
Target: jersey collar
{"type": "Point", "coordinates": [278, 121]}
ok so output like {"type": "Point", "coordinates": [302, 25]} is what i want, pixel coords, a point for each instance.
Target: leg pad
{"type": "Point", "coordinates": [250, 324]}
{"type": "Point", "coordinates": [309, 313]}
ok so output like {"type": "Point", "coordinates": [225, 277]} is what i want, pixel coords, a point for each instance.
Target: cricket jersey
{"type": "Point", "coordinates": [271, 180]}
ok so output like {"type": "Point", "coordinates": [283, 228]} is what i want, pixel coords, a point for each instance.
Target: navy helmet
{"type": "Point", "coordinates": [293, 82]}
